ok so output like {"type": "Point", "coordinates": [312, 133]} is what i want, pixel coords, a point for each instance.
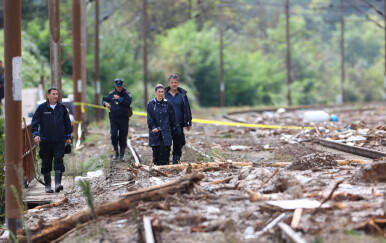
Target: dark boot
{"type": "Point", "coordinates": [58, 181]}
{"type": "Point", "coordinates": [116, 155]}
{"type": "Point", "coordinates": [176, 159]}
{"type": "Point", "coordinates": [47, 182]}
{"type": "Point", "coordinates": [122, 154]}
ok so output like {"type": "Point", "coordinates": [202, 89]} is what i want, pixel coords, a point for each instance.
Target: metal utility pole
{"type": "Point", "coordinates": [342, 78]}
{"type": "Point", "coordinates": [144, 20]}
{"type": "Point", "coordinates": [222, 85]}
{"type": "Point", "coordinates": [76, 63]}
{"type": "Point", "coordinates": [96, 59]}
{"type": "Point", "coordinates": [288, 58]}
{"type": "Point", "coordinates": [83, 46]}
{"type": "Point", "coordinates": [55, 50]}
{"type": "Point", "coordinates": [13, 125]}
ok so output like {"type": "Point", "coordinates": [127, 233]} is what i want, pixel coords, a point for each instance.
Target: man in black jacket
{"type": "Point", "coordinates": [177, 96]}
{"type": "Point", "coordinates": [51, 128]}
{"type": "Point", "coordinates": [118, 102]}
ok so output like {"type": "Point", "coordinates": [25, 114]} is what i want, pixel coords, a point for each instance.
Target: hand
{"type": "Point", "coordinates": [116, 96]}
{"type": "Point", "coordinates": [37, 139]}
{"type": "Point", "coordinates": [108, 105]}
{"type": "Point", "coordinates": [155, 130]}
{"type": "Point", "coordinates": [68, 141]}
{"type": "Point", "coordinates": [188, 127]}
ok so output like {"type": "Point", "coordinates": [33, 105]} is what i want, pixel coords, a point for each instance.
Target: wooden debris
{"type": "Point", "coordinates": [296, 218]}
{"type": "Point", "coordinates": [182, 166]}
{"type": "Point", "coordinates": [218, 156]}
{"type": "Point", "coordinates": [289, 233]}
{"type": "Point", "coordinates": [51, 205]}
{"type": "Point", "coordinates": [225, 180]}
{"type": "Point", "coordinates": [148, 230]}
{"type": "Point", "coordinates": [152, 171]}
{"type": "Point", "coordinates": [265, 182]}
{"type": "Point", "coordinates": [331, 193]}
{"type": "Point", "coordinates": [127, 201]}
{"type": "Point", "coordinates": [257, 196]}
{"type": "Point", "coordinates": [373, 223]}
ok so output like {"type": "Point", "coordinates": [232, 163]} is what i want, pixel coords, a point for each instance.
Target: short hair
{"type": "Point", "coordinates": [174, 76]}
{"type": "Point", "coordinates": [158, 86]}
{"type": "Point", "coordinates": [50, 89]}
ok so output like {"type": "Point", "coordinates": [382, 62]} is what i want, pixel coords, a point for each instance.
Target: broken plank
{"type": "Point", "coordinates": [290, 234]}
{"type": "Point", "coordinates": [365, 152]}
{"type": "Point", "coordinates": [148, 230]}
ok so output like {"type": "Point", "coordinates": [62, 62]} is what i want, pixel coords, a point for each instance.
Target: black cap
{"type": "Point", "coordinates": [118, 82]}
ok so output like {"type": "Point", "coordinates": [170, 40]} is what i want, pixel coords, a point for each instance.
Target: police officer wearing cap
{"type": "Point", "coordinates": [118, 102]}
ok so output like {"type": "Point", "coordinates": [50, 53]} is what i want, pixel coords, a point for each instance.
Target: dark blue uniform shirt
{"type": "Point", "coordinates": [178, 105]}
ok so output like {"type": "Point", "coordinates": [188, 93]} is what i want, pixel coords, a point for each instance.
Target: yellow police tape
{"type": "Point", "coordinates": [202, 121]}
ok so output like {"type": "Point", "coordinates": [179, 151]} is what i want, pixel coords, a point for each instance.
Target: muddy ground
{"type": "Point", "coordinates": [240, 208]}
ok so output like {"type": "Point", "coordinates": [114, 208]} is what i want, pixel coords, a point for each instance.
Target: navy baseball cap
{"type": "Point", "coordinates": [118, 82]}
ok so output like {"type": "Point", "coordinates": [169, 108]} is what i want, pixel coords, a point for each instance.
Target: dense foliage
{"type": "Point", "coordinates": [254, 49]}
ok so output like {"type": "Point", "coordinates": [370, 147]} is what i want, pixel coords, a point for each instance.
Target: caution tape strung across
{"type": "Point", "coordinates": [202, 121]}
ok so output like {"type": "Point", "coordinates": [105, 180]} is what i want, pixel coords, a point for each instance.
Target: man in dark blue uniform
{"type": "Point", "coordinates": [118, 102]}
{"type": "Point", "coordinates": [177, 96]}
{"type": "Point", "coordinates": [51, 128]}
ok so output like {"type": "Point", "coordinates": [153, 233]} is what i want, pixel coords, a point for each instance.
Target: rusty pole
{"type": "Point", "coordinates": [13, 125]}
{"type": "Point", "coordinates": [222, 86]}
{"type": "Point", "coordinates": [96, 57]}
{"type": "Point", "coordinates": [55, 50]}
{"type": "Point", "coordinates": [144, 20]}
{"type": "Point", "coordinates": [288, 57]}
{"type": "Point", "coordinates": [76, 64]}
{"type": "Point", "coordinates": [342, 77]}
{"type": "Point", "coordinates": [83, 46]}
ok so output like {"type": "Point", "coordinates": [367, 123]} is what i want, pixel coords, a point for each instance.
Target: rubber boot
{"type": "Point", "coordinates": [176, 159]}
{"type": "Point", "coordinates": [47, 182]}
{"type": "Point", "coordinates": [116, 155]}
{"type": "Point", "coordinates": [122, 154]}
{"type": "Point", "coordinates": [116, 152]}
{"type": "Point", "coordinates": [58, 181]}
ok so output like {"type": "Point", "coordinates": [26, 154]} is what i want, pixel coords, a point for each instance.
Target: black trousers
{"type": "Point", "coordinates": [178, 142]}
{"type": "Point", "coordinates": [49, 151]}
{"type": "Point", "coordinates": [161, 154]}
{"type": "Point", "coordinates": [119, 129]}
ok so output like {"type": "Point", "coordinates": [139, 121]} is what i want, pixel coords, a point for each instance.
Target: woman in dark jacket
{"type": "Point", "coordinates": [161, 121]}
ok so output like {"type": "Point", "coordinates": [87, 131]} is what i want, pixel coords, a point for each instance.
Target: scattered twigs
{"type": "Point", "coordinates": [182, 166]}
{"type": "Point", "coordinates": [151, 170]}
{"type": "Point", "coordinates": [289, 233]}
{"type": "Point", "coordinates": [218, 156]}
{"type": "Point", "coordinates": [265, 182]}
{"type": "Point", "coordinates": [373, 223]}
{"type": "Point", "coordinates": [331, 193]}
{"type": "Point", "coordinates": [225, 180]}
{"type": "Point", "coordinates": [51, 205]}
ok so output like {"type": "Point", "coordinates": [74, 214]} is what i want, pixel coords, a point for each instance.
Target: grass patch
{"type": "Point", "coordinates": [78, 167]}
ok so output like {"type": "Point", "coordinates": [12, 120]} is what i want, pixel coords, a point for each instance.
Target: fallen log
{"type": "Point", "coordinates": [152, 171]}
{"type": "Point", "coordinates": [126, 202]}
